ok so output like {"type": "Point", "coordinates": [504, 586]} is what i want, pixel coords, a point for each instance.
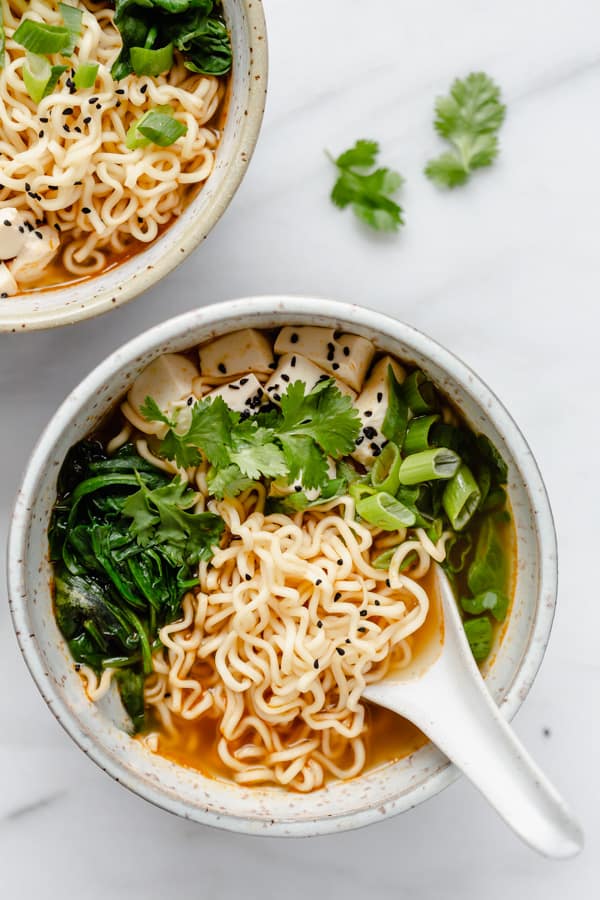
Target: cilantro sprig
{"type": "Point", "coordinates": [369, 193]}
{"type": "Point", "coordinates": [292, 443]}
{"type": "Point", "coordinates": [469, 118]}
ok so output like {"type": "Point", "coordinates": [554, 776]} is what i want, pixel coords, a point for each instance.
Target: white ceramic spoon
{"type": "Point", "coordinates": [447, 699]}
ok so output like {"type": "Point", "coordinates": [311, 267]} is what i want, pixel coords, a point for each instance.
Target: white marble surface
{"type": "Point", "coordinates": [504, 271]}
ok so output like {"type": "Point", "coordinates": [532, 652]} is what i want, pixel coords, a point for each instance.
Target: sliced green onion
{"type": "Point", "coordinates": [37, 37]}
{"type": "Point", "coordinates": [435, 530]}
{"type": "Point", "coordinates": [72, 18]}
{"type": "Point", "coordinates": [461, 497]}
{"type": "Point", "coordinates": [385, 511]}
{"type": "Point", "coordinates": [396, 417]}
{"type": "Point", "coordinates": [384, 559]}
{"type": "Point", "coordinates": [39, 77]}
{"type": "Point", "coordinates": [488, 570]}
{"type": "Point", "coordinates": [157, 126]}
{"type": "Point", "coordinates": [419, 393]}
{"type": "Point", "coordinates": [85, 76]}
{"type": "Point", "coordinates": [417, 434]}
{"type": "Point", "coordinates": [495, 602]}
{"type": "Point", "coordinates": [479, 635]}
{"type": "Point", "coordinates": [438, 462]}
{"type": "Point", "coordinates": [360, 489]}
{"type": "Point", "coordinates": [151, 62]}
{"type": "Point", "coordinates": [384, 474]}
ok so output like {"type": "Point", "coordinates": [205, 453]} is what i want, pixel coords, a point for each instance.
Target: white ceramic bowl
{"type": "Point", "coordinates": [372, 796]}
{"type": "Point", "coordinates": [63, 306]}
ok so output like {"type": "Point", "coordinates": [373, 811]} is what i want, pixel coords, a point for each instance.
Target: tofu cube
{"type": "Point", "coordinates": [237, 354]}
{"type": "Point", "coordinates": [168, 380]}
{"type": "Point", "coordinates": [372, 405]}
{"type": "Point", "coordinates": [243, 395]}
{"type": "Point", "coordinates": [8, 285]}
{"type": "Point", "coordinates": [346, 357]}
{"type": "Point", "coordinates": [294, 367]}
{"type": "Point", "coordinates": [279, 488]}
{"type": "Point", "coordinates": [39, 249]}
{"type": "Point", "coordinates": [12, 233]}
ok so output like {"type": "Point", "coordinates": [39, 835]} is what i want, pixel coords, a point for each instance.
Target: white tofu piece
{"type": "Point", "coordinates": [372, 405]}
{"type": "Point", "coordinates": [39, 249]}
{"type": "Point", "coordinates": [168, 380]}
{"type": "Point", "coordinates": [346, 357]}
{"type": "Point", "coordinates": [243, 395]}
{"type": "Point", "coordinates": [8, 285]}
{"type": "Point", "coordinates": [12, 233]}
{"type": "Point", "coordinates": [281, 489]}
{"type": "Point", "coordinates": [237, 354]}
{"type": "Point", "coordinates": [294, 367]}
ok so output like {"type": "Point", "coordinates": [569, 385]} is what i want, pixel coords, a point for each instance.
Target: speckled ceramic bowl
{"type": "Point", "coordinates": [63, 306]}
{"type": "Point", "coordinates": [371, 797]}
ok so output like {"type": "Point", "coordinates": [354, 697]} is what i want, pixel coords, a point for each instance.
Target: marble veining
{"type": "Point", "coordinates": [505, 273]}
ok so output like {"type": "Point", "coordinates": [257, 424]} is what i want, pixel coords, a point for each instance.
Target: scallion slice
{"type": "Point", "coordinates": [461, 497]}
{"type": "Point", "coordinates": [151, 62]}
{"type": "Point", "coordinates": [428, 465]}
{"type": "Point", "coordinates": [384, 474]}
{"type": "Point", "coordinates": [419, 393]}
{"type": "Point", "coordinates": [39, 77]}
{"type": "Point", "coordinates": [85, 76]}
{"type": "Point", "coordinates": [72, 18]}
{"type": "Point", "coordinates": [37, 37]}
{"type": "Point", "coordinates": [385, 512]}
{"type": "Point", "coordinates": [417, 434]}
{"type": "Point", "coordinates": [157, 126]}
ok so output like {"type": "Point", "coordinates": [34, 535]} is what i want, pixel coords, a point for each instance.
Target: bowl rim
{"type": "Point", "coordinates": [101, 299]}
{"type": "Point", "coordinates": [229, 312]}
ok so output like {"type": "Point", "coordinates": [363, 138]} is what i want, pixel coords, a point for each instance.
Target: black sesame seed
{"type": "Point", "coordinates": [52, 187]}
{"type": "Point", "coordinates": [294, 338]}
{"type": "Point", "coordinates": [377, 603]}
{"type": "Point", "coordinates": [21, 229]}
{"type": "Point", "coordinates": [244, 381]}
{"type": "Point", "coordinates": [8, 223]}
{"type": "Point", "coordinates": [341, 651]}
{"type": "Point", "coordinates": [87, 120]}
{"type": "Point", "coordinates": [27, 186]}
{"type": "Point", "coordinates": [331, 347]}
{"type": "Point", "coordinates": [340, 562]}
{"type": "Point", "coordinates": [143, 88]}
{"type": "Point", "coordinates": [39, 235]}
{"type": "Point", "coordinates": [4, 295]}
{"type": "Point", "coordinates": [387, 582]}
{"type": "Point", "coordinates": [369, 432]}
{"type": "Point", "coordinates": [117, 104]}
{"type": "Point", "coordinates": [40, 134]}
{"type": "Point", "coordinates": [337, 597]}
{"type": "Point", "coordinates": [190, 401]}
{"type": "Point", "coordinates": [92, 100]}
{"type": "Point", "coordinates": [77, 667]}
{"type": "Point", "coordinates": [285, 377]}
{"type": "Point", "coordinates": [44, 119]}
{"type": "Point", "coordinates": [77, 129]}
{"type": "Point", "coordinates": [319, 581]}
{"type": "Point", "coordinates": [293, 362]}
{"type": "Point", "coordinates": [98, 106]}
{"type": "Point", "coordinates": [248, 576]}
{"type": "Point", "coordinates": [379, 396]}
{"type": "Point", "coordinates": [297, 488]}
{"type": "Point", "coordinates": [335, 366]}
{"type": "Point", "coordinates": [361, 628]}
{"type": "Point", "coordinates": [323, 378]}
{"type": "Point", "coordinates": [77, 183]}
{"type": "Point", "coordinates": [330, 355]}
{"type": "Point", "coordinates": [346, 351]}
{"type": "Point", "coordinates": [347, 640]}
{"type": "Point", "coordinates": [277, 397]}
{"type": "Point", "coordinates": [316, 664]}
{"type": "Point", "coordinates": [85, 210]}
{"type": "Point", "coordinates": [376, 451]}
{"type": "Point", "coordinates": [319, 624]}
{"type": "Point", "coordinates": [273, 365]}
{"type": "Point", "coordinates": [68, 111]}
{"type": "Point", "coordinates": [233, 387]}
{"type": "Point", "coordinates": [363, 613]}
{"type": "Point", "coordinates": [67, 129]}
{"type": "Point", "coordinates": [222, 368]}
{"type": "Point", "coordinates": [120, 91]}
{"type": "Point", "coordinates": [359, 440]}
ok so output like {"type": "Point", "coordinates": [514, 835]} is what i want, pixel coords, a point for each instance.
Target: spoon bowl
{"type": "Point", "coordinates": [446, 697]}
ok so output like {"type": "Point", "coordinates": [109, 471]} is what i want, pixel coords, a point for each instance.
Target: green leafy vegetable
{"type": "Point", "coordinates": [125, 545]}
{"type": "Point", "coordinates": [292, 443]}
{"type": "Point", "coordinates": [194, 27]}
{"type": "Point", "coordinates": [369, 193]}
{"type": "Point", "coordinates": [469, 118]}
{"type": "Point", "coordinates": [480, 636]}
{"type": "Point", "coordinates": [495, 602]}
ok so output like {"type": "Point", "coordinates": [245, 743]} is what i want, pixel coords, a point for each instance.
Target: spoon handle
{"type": "Point", "coordinates": [452, 705]}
